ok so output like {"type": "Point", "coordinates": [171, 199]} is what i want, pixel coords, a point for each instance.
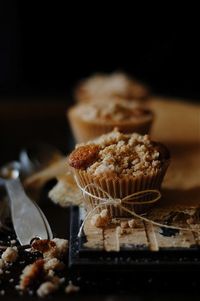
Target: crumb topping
{"type": "Point", "coordinates": [56, 247]}
{"type": "Point", "coordinates": [71, 288]}
{"type": "Point", "coordinates": [116, 84]}
{"type": "Point", "coordinates": [10, 254]}
{"type": "Point", "coordinates": [46, 288]}
{"type": "Point", "coordinates": [122, 154]}
{"type": "Point", "coordinates": [53, 264]}
{"type": "Point", "coordinates": [30, 273]}
{"type": "Point", "coordinates": [101, 219]}
{"type": "Point", "coordinates": [2, 264]}
{"type": "Point", "coordinates": [83, 156]}
{"type": "Point", "coordinates": [44, 269]}
{"type": "Point", "coordinates": [43, 245]}
{"type": "Point", "coordinates": [115, 111]}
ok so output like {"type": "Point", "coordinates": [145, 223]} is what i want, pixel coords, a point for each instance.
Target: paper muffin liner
{"type": "Point", "coordinates": [118, 188]}
{"type": "Point", "coordinates": [85, 130]}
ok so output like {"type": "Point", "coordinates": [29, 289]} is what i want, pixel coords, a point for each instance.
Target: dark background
{"type": "Point", "coordinates": [46, 47]}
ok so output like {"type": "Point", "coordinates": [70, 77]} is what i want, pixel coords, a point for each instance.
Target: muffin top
{"type": "Point", "coordinates": [116, 84]}
{"type": "Point", "coordinates": [114, 111]}
{"type": "Point", "coordinates": [117, 154]}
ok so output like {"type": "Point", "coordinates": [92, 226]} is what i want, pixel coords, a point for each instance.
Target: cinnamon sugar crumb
{"type": "Point", "coordinates": [10, 254]}
{"type": "Point", "coordinates": [2, 264]}
{"type": "Point", "coordinates": [83, 156]}
{"type": "Point", "coordinates": [46, 288]}
{"type": "Point", "coordinates": [71, 288]}
{"type": "Point", "coordinates": [30, 273]}
{"type": "Point", "coordinates": [101, 219]}
{"type": "Point", "coordinates": [55, 248]}
{"type": "Point", "coordinates": [53, 264]}
{"type": "Point", "coordinates": [124, 154]}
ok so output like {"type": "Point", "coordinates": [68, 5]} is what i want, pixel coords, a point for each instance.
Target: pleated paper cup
{"type": "Point", "coordinates": [85, 130]}
{"type": "Point", "coordinates": [118, 188]}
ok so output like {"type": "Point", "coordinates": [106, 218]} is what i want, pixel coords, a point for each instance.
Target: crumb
{"type": "Point", "coordinates": [30, 273]}
{"type": "Point", "coordinates": [46, 288]}
{"type": "Point", "coordinates": [2, 292]}
{"type": "Point", "coordinates": [62, 280]}
{"type": "Point", "coordinates": [2, 263]}
{"type": "Point", "coordinates": [10, 254]}
{"type": "Point", "coordinates": [43, 246]}
{"type": "Point", "coordinates": [22, 262]}
{"type": "Point", "coordinates": [55, 280]}
{"type": "Point", "coordinates": [50, 273]}
{"type": "Point", "coordinates": [131, 223]}
{"type": "Point", "coordinates": [96, 220]}
{"type": "Point", "coordinates": [124, 224]}
{"type": "Point", "coordinates": [61, 247]}
{"type": "Point", "coordinates": [83, 156]}
{"type": "Point", "coordinates": [100, 219]}
{"type": "Point", "coordinates": [71, 288]}
{"type": "Point", "coordinates": [17, 287]}
{"type": "Point", "coordinates": [104, 214]}
{"type": "Point", "coordinates": [7, 272]}
{"type": "Point", "coordinates": [65, 194]}
{"type": "Point", "coordinates": [55, 248]}
{"type": "Point", "coordinates": [53, 264]}
{"type": "Point", "coordinates": [13, 242]}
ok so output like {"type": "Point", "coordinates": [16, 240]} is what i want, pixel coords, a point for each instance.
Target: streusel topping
{"type": "Point", "coordinates": [116, 84]}
{"type": "Point", "coordinates": [123, 154]}
{"type": "Point", "coordinates": [111, 110]}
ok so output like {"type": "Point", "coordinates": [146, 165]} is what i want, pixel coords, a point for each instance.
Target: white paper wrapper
{"type": "Point", "coordinates": [118, 188]}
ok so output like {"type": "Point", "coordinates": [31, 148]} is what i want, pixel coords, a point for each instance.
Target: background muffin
{"type": "Point", "coordinates": [91, 120]}
{"type": "Point", "coordinates": [114, 85]}
{"type": "Point", "coordinates": [120, 164]}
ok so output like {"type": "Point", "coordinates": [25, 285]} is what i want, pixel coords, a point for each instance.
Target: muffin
{"type": "Point", "coordinates": [91, 120]}
{"type": "Point", "coordinates": [114, 85]}
{"type": "Point", "coordinates": [120, 164]}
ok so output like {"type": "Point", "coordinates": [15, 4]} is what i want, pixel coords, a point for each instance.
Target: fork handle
{"type": "Point", "coordinates": [27, 220]}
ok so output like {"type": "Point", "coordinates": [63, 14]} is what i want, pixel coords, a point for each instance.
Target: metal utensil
{"type": "Point", "coordinates": [28, 219]}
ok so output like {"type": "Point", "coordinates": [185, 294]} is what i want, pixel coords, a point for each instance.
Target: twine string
{"type": "Point", "coordinates": [117, 202]}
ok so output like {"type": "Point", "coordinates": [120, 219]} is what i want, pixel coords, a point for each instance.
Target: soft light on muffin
{"type": "Point", "coordinates": [91, 120]}
{"type": "Point", "coordinates": [113, 85]}
{"type": "Point", "coordinates": [120, 164]}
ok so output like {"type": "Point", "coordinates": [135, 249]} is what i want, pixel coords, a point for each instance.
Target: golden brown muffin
{"type": "Point", "coordinates": [120, 164]}
{"type": "Point", "coordinates": [91, 120]}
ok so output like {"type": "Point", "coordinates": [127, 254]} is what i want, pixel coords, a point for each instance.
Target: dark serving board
{"type": "Point", "coordinates": [166, 267]}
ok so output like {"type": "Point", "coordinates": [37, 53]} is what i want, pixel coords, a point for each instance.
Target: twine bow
{"type": "Point", "coordinates": [128, 200]}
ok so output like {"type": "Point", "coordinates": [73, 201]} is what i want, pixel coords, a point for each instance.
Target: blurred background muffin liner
{"type": "Point", "coordinates": [85, 130]}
